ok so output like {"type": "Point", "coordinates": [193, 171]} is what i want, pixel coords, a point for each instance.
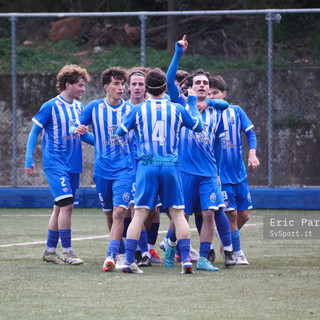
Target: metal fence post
{"type": "Point", "coordinates": [14, 101]}
{"type": "Point", "coordinates": [143, 40]}
{"type": "Point", "coordinates": [270, 93]}
{"type": "Point", "coordinates": [271, 18]}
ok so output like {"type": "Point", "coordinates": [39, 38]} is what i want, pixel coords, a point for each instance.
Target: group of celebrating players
{"type": "Point", "coordinates": [174, 146]}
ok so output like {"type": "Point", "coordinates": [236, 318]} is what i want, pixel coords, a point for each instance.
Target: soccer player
{"type": "Point", "coordinates": [147, 254]}
{"type": "Point", "coordinates": [205, 154]}
{"type": "Point", "coordinates": [113, 167]}
{"type": "Point", "coordinates": [156, 124]}
{"type": "Point", "coordinates": [233, 173]}
{"type": "Point", "coordinates": [62, 158]}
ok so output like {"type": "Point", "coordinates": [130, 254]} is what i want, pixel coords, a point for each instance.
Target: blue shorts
{"type": "Point", "coordinates": [113, 193]}
{"type": "Point", "coordinates": [237, 196]}
{"type": "Point", "coordinates": [153, 181]}
{"type": "Point", "coordinates": [133, 189]}
{"type": "Point", "coordinates": [63, 184]}
{"type": "Point", "coordinates": [201, 193]}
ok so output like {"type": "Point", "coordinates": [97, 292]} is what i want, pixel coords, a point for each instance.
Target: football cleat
{"type": "Point", "coordinates": [155, 257]}
{"type": "Point", "coordinates": [230, 258]}
{"type": "Point", "coordinates": [52, 257]}
{"type": "Point", "coordinates": [130, 268]}
{"type": "Point", "coordinates": [145, 262]}
{"type": "Point", "coordinates": [169, 256]}
{"type": "Point", "coordinates": [108, 265]}
{"type": "Point", "coordinates": [71, 258]}
{"type": "Point", "coordinates": [241, 260]}
{"type": "Point", "coordinates": [186, 267]}
{"type": "Point", "coordinates": [204, 264]}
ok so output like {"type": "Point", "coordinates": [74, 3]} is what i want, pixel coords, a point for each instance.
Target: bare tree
{"type": "Point", "coordinates": [173, 26]}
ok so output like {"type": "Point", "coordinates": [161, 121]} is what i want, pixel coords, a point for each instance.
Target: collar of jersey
{"type": "Point", "coordinates": [66, 102]}
{"type": "Point", "coordinates": [113, 107]}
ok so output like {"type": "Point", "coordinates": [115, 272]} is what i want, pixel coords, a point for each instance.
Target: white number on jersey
{"type": "Point", "coordinates": [158, 133]}
{"type": "Point", "coordinates": [63, 183]}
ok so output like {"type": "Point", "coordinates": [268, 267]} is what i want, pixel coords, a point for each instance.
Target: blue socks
{"type": "Point", "coordinates": [235, 235]}
{"type": "Point", "coordinates": [143, 241]}
{"type": "Point", "coordinates": [204, 249]}
{"type": "Point", "coordinates": [113, 248]}
{"type": "Point", "coordinates": [122, 248]}
{"type": "Point", "coordinates": [171, 235]}
{"type": "Point", "coordinates": [52, 239]}
{"type": "Point", "coordinates": [65, 236]}
{"type": "Point", "coordinates": [184, 245]}
{"type": "Point", "coordinates": [223, 227]}
{"type": "Point", "coordinates": [131, 247]}
{"type": "Point", "coordinates": [126, 223]}
{"type": "Point", "coordinates": [153, 233]}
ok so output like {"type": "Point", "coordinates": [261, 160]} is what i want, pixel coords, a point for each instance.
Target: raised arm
{"type": "Point", "coordinates": [180, 47]}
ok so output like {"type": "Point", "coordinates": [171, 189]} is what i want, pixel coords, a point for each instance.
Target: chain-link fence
{"type": "Point", "coordinates": [269, 59]}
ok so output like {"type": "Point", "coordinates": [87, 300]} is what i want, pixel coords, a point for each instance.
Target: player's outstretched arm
{"type": "Point", "coordinates": [128, 122]}
{"type": "Point", "coordinates": [30, 167]}
{"type": "Point", "coordinates": [180, 47]}
{"type": "Point", "coordinates": [77, 128]}
{"type": "Point", "coordinates": [121, 131]}
{"type": "Point", "coordinates": [88, 138]}
{"type": "Point", "coordinates": [217, 104]}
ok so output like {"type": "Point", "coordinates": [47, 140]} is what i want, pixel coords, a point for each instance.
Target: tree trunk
{"type": "Point", "coordinates": [173, 24]}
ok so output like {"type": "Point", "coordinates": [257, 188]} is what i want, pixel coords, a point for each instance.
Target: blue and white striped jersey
{"type": "Point", "coordinates": [112, 156]}
{"type": "Point", "coordinates": [233, 169]}
{"type": "Point", "coordinates": [132, 138]}
{"type": "Point", "coordinates": [196, 150]}
{"type": "Point", "coordinates": [157, 124]}
{"type": "Point", "coordinates": [60, 150]}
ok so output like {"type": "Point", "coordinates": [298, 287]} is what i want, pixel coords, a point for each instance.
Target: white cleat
{"type": "Point", "coordinates": [130, 268]}
{"type": "Point", "coordinates": [194, 255]}
{"type": "Point", "coordinates": [121, 258]}
{"type": "Point", "coordinates": [109, 264]}
{"type": "Point", "coordinates": [163, 244]}
{"type": "Point", "coordinates": [241, 260]}
{"type": "Point", "coordinates": [186, 267]}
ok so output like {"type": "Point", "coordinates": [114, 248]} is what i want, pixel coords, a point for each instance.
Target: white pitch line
{"type": "Point", "coordinates": [93, 238]}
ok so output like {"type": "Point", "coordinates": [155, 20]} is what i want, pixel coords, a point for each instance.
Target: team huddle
{"type": "Point", "coordinates": [175, 147]}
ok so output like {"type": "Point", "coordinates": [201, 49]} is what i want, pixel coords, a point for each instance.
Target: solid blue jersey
{"type": "Point", "coordinates": [60, 150]}
{"type": "Point", "coordinates": [157, 124]}
{"type": "Point", "coordinates": [112, 156]}
{"type": "Point", "coordinates": [196, 150]}
{"type": "Point", "coordinates": [233, 169]}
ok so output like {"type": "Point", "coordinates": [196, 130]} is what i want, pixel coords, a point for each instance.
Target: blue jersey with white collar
{"type": "Point", "coordinates": [235, 122]}
{"type": "Point", "coordinates": [60, 150]}
{"type": "Point", "coordinates": [112, 156]}
{"type": "Point", "coordinates": [196, 150]}
{"type": "Point", "coordinates": [157, 124]}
